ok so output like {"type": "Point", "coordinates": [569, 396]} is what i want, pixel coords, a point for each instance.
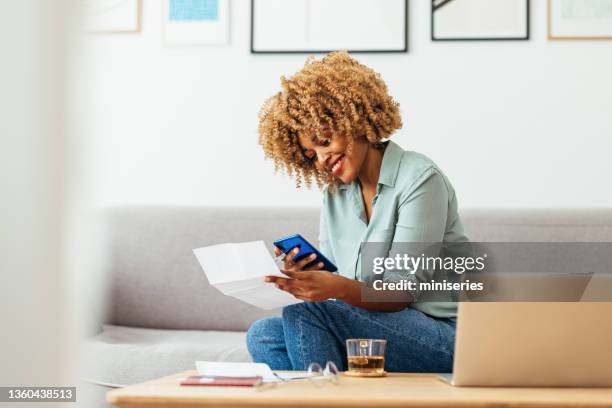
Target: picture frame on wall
{"type": "Point", "coordinates": [479, 20]}
{"type": "Point", "coordinates": [111, 16]}
{"type": "Point", "coordinates": [321, 26]}
{"type": "Point", "coordinates": [579, 20]}
{"type": "Point", "coordinates": [196, 22]}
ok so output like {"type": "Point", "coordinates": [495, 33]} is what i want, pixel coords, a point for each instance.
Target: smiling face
{"type": "Point", "coordinates": [336, 93]}
{"type": "Point", "coordinates": [334, 156]}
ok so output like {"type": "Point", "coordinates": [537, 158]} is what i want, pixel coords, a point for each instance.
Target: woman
{"type": "Point", "coordinates": [329, 124]}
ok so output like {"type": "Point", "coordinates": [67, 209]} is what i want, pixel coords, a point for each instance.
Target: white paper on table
{"type": "Point", "coordinates": [240, 370]}
{"type": "Point", "coordinates": [297, 375]}
{"type": "Point", "coordinates": [238, 269]}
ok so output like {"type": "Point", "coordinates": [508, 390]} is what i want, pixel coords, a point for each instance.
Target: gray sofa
{"type": "Point", "coordinates": [163, 316]}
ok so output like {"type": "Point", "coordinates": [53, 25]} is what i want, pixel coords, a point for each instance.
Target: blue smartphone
{"type": "Point", "coordinates": [288, 243]}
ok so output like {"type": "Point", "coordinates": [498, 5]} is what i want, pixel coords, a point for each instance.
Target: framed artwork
{"type": "Point", "coordinates": [580, 19]}
{"type": "Point", "coordinates": [111, 16]}
{"type": "Point", "coordinates": [319, 26]}
{"type": "Point", "coordinates": [479, 20]}
{"type": "Point", "coordinates": [196, 22]}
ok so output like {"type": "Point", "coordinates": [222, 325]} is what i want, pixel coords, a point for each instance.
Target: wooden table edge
{"type": "Point", "coordinates": [116, 398]}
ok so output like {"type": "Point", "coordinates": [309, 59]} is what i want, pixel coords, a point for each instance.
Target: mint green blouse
{"type": "Point", "coordinates": [414, 202]}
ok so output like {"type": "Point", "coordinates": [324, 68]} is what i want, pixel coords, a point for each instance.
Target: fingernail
{"type": "Point", "coordinates": [266, 279]}
{"type": "Point", "coordinates": [296, 250]}
{"type": "Point", "coordinates": [277, 285]}
{"type": "Point", "coordinates": [313, 256]}
{"type": "Point", "coordinates": [320, 264]}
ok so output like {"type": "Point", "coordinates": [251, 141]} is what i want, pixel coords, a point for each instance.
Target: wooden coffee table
{"type": "Point", "coordinates": [396, 390]}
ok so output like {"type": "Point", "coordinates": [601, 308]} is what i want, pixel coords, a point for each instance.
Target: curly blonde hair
{"type": "Point", "coordinates": [335, 93]}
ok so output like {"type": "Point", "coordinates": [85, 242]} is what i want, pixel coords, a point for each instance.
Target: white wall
{"type": "Point", "coordinates": [514, 124]}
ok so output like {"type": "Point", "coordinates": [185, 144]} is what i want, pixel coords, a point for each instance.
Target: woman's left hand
{"type": "Point", "coordinates": [311, 286]}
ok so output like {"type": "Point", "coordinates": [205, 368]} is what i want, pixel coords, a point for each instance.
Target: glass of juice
{"type": "Point", "coordinates": [366, 357]}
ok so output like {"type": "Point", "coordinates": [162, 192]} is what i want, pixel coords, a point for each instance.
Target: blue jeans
{"type": "Point", "coordinates": [316, 332]}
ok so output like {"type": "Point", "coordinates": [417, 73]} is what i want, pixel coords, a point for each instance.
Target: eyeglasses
{"type": "Point", "coordinates": [319, 376]}
{"type": "Point", "coordinates": [316, 375]}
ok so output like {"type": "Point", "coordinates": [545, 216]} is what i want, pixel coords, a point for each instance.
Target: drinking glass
{"type": "Point", "coordinates": [366, 357]}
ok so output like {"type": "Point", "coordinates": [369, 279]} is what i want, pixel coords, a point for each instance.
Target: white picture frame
{"type": "Point", "coordinates": [202, 26]}
{"type": "Point", "coordinates": [479, 20]}
{"type": "Point", "coordinates": [320, 26]}
{"type": "Point", "coordinates": [111, 16]}
{"type": "Point", "coordinates": [579, 20]}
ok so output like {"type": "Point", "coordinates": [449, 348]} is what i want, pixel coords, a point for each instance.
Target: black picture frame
{"type": "Point", "coordinates": [521, 38]}
{"type": "Point", "coordinates": [358, 51]}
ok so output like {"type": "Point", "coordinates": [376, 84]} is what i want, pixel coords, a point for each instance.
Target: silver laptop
{"type": "Point", "coordinates": [533, 344]}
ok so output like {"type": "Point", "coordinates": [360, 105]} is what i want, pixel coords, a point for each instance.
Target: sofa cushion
{"type": "Point", "coordinates": [128, 355]}
{"type": "Point", "coordinates": [538, 225]}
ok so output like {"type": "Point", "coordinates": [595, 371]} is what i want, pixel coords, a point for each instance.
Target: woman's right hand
{"type": "Point", "coordinates": [314, 287]}
{"type": "Point", "coordinates": [310, 284]}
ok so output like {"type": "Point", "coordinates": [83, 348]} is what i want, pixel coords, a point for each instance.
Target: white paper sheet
{"type": "Point", "coordinates": [224, 369]}
{"type": "Point", "coordinates": [297, 375]}
{"type": "Point", "coordinates": [238, 270]}
{"type": "Point", "coordinates": [241, 370]}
